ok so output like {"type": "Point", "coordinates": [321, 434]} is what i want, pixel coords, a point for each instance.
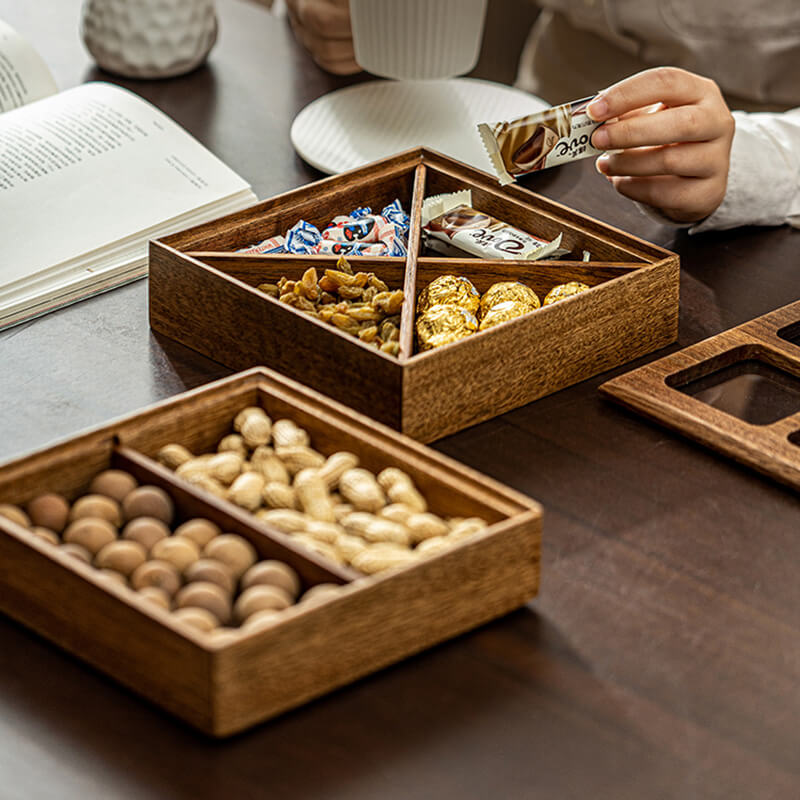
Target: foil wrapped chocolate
{"type": "Point", "coordinates": [442, 324]}
{"type": "Point", "coordinates": [502, 312]}
{"type": "Point", "coordinates": [449, 290]}
{"type": "Point", "coordinates": [563, 291]}
{"type": "Point", "coordinates": [509, 290]}
{"type": "Point", "coordinates": [452, 227]}
{"type": "Point", "coordinates": [545, 139]}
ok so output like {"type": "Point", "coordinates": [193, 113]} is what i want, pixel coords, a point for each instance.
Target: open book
{"type": "Point", "coordinates": [87, 177]}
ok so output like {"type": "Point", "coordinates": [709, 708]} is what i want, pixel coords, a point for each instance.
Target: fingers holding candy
{"type": "Point", "coordinates": [670, 133]}
{"type": "Point", "coordinates": [323, 28]}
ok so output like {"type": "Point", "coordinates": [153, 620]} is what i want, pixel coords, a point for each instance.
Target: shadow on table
{"type": "Point", "coordinates": [343, 743]}
{"type": "Point", "coordinates": [175, 368]}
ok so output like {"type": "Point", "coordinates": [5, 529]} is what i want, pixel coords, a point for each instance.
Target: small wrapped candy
{"type": "Point", "coordinates": [277, 244]}
{"type": "Point", "coordinates": [360, 233]}
{"type": "Point", "coordinates": [509, 290]}
{"type": "Point", "coordinates": [502, 312]}
{"type": "Point", "coordinates": [443, 324]}
{"type": "Point", "coordinates": [564, 290]}
{"type": "Point", "coordinates": [449, 290]}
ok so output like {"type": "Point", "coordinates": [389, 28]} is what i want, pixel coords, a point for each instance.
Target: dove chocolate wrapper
{"type": "Point", "coordinates": [537, 141]}
{"type": "Point", "coordinates": [452, 227]}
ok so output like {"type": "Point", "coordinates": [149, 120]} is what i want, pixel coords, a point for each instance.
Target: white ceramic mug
{"type": "Point", "coordinates": [417, 39]}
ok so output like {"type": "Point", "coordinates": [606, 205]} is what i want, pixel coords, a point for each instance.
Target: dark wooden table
{"type": "Point", "coordinates": [662, 657]}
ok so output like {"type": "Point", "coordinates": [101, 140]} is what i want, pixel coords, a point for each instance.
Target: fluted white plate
{"type": "Point", "coordinates": [362, 123]}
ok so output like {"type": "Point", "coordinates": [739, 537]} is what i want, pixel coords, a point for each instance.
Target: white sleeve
{"type": "Point", "coordinates": [764, 175]}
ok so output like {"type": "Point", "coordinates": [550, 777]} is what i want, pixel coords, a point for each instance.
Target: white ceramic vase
{"type": "Point", "coordinates": [149, 38]}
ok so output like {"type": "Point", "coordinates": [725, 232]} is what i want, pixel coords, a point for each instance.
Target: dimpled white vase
{"type": "Point", "coordinates": [149, 38]}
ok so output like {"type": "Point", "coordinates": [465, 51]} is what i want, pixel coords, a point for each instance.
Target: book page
{"type": "Point", "coordinates": [24, 77]}
{"type": "Point", "coordinates": [91, 166]}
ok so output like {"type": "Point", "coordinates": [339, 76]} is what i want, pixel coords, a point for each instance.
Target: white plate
{"type": "Point", "coordinates": [362, 123]}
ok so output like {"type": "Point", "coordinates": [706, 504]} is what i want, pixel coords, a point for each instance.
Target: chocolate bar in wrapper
{"type": "Point", "coordinates": [545, 139]}
{"type": "Point", "coordinates": [453, 227]}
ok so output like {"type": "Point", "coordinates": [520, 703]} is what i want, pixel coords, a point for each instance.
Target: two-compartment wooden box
{"type": "Point", "coordinates": [224, 686]}
{"type": "Point", "coordinates": [202, 293]}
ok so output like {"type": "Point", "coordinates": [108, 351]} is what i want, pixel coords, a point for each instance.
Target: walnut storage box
{"type": "Point", "coordinates": [222, 687]}
{"type": "Point", "coordinates": [202, 293]}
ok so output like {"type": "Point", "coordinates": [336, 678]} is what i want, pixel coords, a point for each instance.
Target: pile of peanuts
{"type": "Point", "coordinates": [360, 304]}
{"type": "Point", "coordinates": [209, 579]}
{"type": "Point", "coordinates": [331, 505]}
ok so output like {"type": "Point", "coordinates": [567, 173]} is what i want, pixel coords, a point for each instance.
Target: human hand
{"type": "Point", "coordinates": [323, 28]}
{"type": "Point", "coordinates": [673, 131]}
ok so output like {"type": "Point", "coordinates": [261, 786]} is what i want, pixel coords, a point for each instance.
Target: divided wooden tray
{"type": "Point", "coordinates": [202, 293]}
{"type": "Point", "coordinates": [222, 687]}
{"type": "Point", "coordinates": [737, 392]}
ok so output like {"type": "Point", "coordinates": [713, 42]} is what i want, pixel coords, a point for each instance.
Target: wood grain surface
{"type": "Point", "coordinates": [662, 656]}
{"type": "Point", "coordinates": [224, 688]}
{"type": "Point", "coordinates": [631, 310]}
{"type": "Point", "coordinates": [658, 391]}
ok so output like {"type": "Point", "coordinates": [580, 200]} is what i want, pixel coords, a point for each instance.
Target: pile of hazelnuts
{"type": "Point", "coordinates": [209, 579]}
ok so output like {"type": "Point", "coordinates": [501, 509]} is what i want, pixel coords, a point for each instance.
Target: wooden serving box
{"type": "Point", "coordinates": [737, 392]}
{"type": "Point", "coordinates": [225, 687]}
{"type": "Point", "coordinates": [202, 293]}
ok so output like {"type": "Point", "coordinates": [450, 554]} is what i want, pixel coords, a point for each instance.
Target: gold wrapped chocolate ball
{"type": "Point", "coordinates": [449, 290]}
{"type": "Point", "coordinates": [564, 290]}
{"type": "Point", "coordinates": [502, 312]}
{"type": "Point", "coordinates": [509, 291]}
{"type": "Point", "coordinates": [442, 324]}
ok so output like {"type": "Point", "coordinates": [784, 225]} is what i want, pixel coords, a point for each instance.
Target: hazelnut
{"type": "Point", "coordinates": [148, 501]}
{"type": "Point", "coordinates": [200, 531]}
{"type": "Point", "coordinates": [224, 635]}
{"type": "Point", "coordinates": [96, 505]}
{"type": "Point", "coordinates": [90, 532]}
{"type": "Point", "coordinates": [232, 550]}
{"type": "Point", "coordinates": [274, 573]}
{"type": "Point", "coordinates": [153, 594]}
{"type": "Point", "coordinates": [146, 531]}
{"type": "Point", "coordinates": [320, 592]}
{"type": "Point", "coordinates": [49, 511]}
{"type": "Point", "coordinates": [209, 569]}
{"type": "Point", "coordinates": [160, 574]}
{"type": "Point", "coordinates": [122, 556]}
{"type": "Point", "coordinates": [207, 595]}
{"type": "Point", "coordinates": [113, 483]}
{"type": "Point", "coordinates": [76, 551]}
{"type": "Point", "coordinates": [46, 534]}
{"type": "Point", "coordinates": [197, 617]}
{"type": "Point", "coordinates": [265, 618]}
{"type": "Point", "coordinates": [113, 575]}
{"type": "Point", "coordinates": [259, 598]}
{"type": "Point", "coordinates": [178, 550]}
{"type": "Point", "coordinates": [15, 514]}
